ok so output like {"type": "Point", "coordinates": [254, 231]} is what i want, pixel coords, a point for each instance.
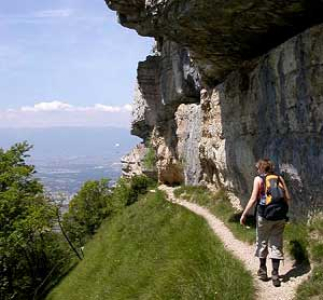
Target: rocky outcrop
{"type": "Point", "coordinates": [164, 82]}
{"type": "Point", "coordinates": [220, 34]}
{"type": "Point", "coordinates": [132, 162]}
{"type": "Point", "coordinates": [268, 105]}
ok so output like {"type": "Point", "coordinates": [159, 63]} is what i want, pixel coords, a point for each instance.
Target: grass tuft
{"type": "Point", "coordinates": [313, 288]}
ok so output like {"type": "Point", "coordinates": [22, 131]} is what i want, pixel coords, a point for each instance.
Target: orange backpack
{"type": "Point", "coordinates": [276, 207]}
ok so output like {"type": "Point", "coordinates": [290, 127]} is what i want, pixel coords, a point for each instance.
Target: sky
{"type": "Point", "coordinates": [66, 63]}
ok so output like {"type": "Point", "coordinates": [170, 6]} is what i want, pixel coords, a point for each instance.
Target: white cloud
{"type": "Point", "coordinates": [47, 106]}
{"type": "Point", "coordinates": [101, 107]}
{"type": "Point", "coordinates": [63, 106]}
{"type": "Point", "coordinates": [58, 113]}
{"type": "Point", "coordinates": [106, 108]}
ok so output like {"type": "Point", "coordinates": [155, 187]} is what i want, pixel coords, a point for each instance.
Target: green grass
{"type": "Point", "coordinates": [219, 204]}
{"type": "Point", "coordinates": [155, 250]}
{"type": "Point", "coordinates": [313, 288]}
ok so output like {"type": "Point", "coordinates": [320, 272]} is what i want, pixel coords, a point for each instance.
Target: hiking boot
{"type": "Point", "coordinates": [275, 279]}
{"type": "Point", "coordinates": [262, 274]}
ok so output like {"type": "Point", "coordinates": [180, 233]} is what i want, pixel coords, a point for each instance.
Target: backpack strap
{"type": "Point", "coordinates": [260, 194]}
{"type": "Point", "coordinates": [263, 177]}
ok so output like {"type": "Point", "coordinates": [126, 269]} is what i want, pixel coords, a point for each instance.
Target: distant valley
{"type": "Point", "coordinates": [66, 157]}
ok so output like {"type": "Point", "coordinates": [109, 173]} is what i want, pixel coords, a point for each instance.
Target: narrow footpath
{"type": "Point", "coordinates": [291, 276]}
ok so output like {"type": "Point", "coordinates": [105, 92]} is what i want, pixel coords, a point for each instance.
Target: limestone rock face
{"type": "Point", "coordinates": [220, 34]}
{"type": "Point", "coordinates": [273, 110]}
{"type": "Point", "coordinates": [188, 133]}
{"type": "Point", "coordinates": [147, 102]}
{"type": "Point", "coordinates": [276, 110]}
{"type": "Point", "coordinates": [132, 162]}
{"type": "Point", "coordinates": [212, 143]}
{"type": "Point", "coordinates": [164, 81]}
{"type": "Point", "coordinates": [267, 104]}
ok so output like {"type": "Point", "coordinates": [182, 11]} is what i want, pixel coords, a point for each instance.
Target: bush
{"type": "Point", "coordinates": [91, 205]}
{"type": "Point", "coordinates": [127, 191]}
{"type": "Point", "coordinates": [139, 185]}
{"type": "Point", "coordinates": [96, 201]}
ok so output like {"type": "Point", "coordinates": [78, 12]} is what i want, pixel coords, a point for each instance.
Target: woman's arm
{"type": "Point", "coordinates": [252, 200]}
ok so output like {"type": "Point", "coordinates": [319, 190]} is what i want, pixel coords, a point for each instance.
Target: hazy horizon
{"type": "Point", "coordinates": [71, 141]}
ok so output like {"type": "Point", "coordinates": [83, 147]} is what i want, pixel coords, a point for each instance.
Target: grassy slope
{"type": "Point", "coordinates": [155, 250]}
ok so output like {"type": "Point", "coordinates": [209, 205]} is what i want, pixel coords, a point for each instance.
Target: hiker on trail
{"type": "Point", "coordinates": [272, 199]}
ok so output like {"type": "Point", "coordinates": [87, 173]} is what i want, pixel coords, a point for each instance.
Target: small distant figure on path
{"type": "Point", "coordinates": [272, 199]}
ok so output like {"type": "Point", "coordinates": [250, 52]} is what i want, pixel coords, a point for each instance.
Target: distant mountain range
{"type": "Point", "coordinates": [71, 141]}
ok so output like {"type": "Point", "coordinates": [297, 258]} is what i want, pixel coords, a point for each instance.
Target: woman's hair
{"type": "Point", "coordinates": [266, 165]}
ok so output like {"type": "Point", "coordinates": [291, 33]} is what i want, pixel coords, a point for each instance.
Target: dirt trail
{"type": "Point", "coordinates": [291, 276]}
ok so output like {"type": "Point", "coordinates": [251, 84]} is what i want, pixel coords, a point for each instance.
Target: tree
{"type": "Point", "coordinates": [88, 208]}
{"type": "Point", "coordinates": [29, 248]}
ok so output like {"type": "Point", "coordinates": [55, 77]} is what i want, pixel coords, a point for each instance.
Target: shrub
{"type": "Point", "coordinates": [139, 185]}
{"type": "Point", "coordinates": [149, 160]}
{"type": "Point", "coordinates": [91, 205]}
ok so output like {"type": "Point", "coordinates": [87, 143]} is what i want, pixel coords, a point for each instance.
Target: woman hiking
{"type": "Point", "coordinates": [271, 217]}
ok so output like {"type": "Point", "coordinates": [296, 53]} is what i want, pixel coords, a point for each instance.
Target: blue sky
{"type": "Point", "coordinates": [66, 62]}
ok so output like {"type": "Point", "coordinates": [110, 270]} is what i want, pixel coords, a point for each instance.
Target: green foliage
{"type": "Point", "coordinates": [88, 208]}
{"type": "Point", "coordinates": [139, 185]}
{"type": "Point", "coordinates": [29, 248]}
{"type": "Point", "coordinates": [96, 201]}
{"type": "Point", "coordinates": [149, 160]}
{"type": "Point", "coordinates": [313, 288]}
{"type": "Point", "coordinates": [127, 191]}
{"type": "Point", "coordinates": [155, 250]}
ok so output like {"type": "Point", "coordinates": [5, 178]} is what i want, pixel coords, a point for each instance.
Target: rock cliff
{"type": "Point", "coordinates": [232, 82]}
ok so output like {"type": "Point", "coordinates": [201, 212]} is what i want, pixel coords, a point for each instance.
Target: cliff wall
{"type": "Point", "coordinates": [215, 98]}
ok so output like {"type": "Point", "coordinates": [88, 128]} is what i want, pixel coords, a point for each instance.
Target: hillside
{"type": "Point", "coordinates": [155, 250]}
